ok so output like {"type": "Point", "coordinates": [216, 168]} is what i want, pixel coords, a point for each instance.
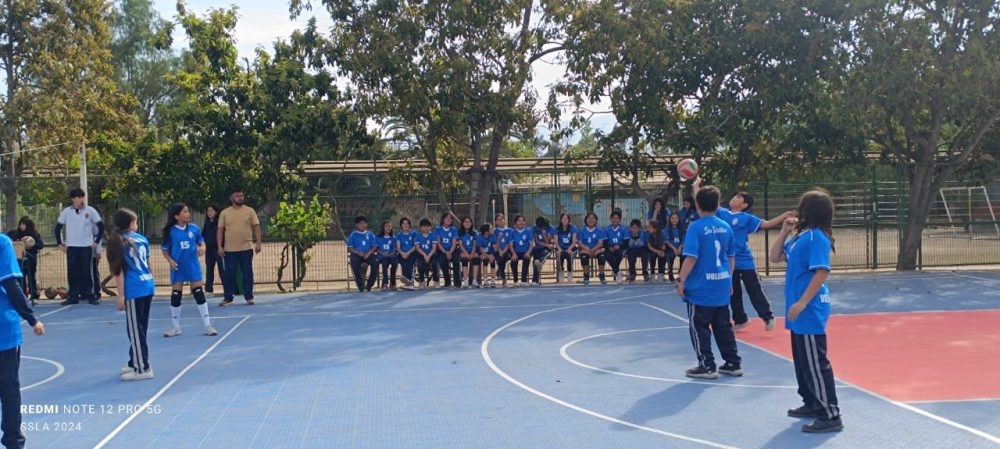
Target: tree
{"type": "Point", "coordinates": [453, 72]}
{"type": "Point", "coordinates": [301, 226]}
{"type": "Point", "coordinates": [252, 124]}
{"type": "Point", "coordinates": [703, 77]}
{"type": "Point", "coordinates": [141, 55]}
{"type": "Point", "coordinates": [59, 86]}
{"type": "Point", "coordinates": [925, 78]}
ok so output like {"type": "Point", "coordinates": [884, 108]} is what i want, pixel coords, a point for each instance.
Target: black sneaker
{"type": "Point", "coordinates": [604, 280]}
{"type": "Point", "coordinates": [803, 412]}
{"type": "Point", "coordinates": [69, 302]}
{"type": "Point", "coordinates": [824, 426]}
{"type": "Point", "coordinates": [731, 369]}
{"type": "Point", "coordinates": [95, 302]}
{"type": "Point", "coordinates": [701, 372]}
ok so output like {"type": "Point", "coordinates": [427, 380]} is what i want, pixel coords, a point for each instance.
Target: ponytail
{"type": "Point", "coordinates": [122, 221]}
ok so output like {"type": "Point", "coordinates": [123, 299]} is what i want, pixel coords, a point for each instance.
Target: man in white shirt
{"type": "Point", "coordinates": [84, 231]}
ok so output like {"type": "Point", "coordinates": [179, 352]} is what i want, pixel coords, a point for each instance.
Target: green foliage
{"type": "Point", "coordinates": [301, 225]}
{"type": "Point", "coordinates": [141, 56]}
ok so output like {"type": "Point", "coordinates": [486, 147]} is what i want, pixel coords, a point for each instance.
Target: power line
{"type": "Point", "coordinates": [41, 148]}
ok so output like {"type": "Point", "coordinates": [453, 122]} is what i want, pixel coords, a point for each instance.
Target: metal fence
{"type": "Point", "coordinates": [870, 216]}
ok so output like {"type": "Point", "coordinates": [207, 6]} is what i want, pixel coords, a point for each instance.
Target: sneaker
{"type": "Point", "coordinates": [250, 300]}
{"type": "Point", "coordinates": [225, 302]}
{"type": "Point", "coordinates": [210, 331]}
{"type": "Point", "coordinates": [604, 280]}
{"type": "Point", "coordinates": [824, 426]}
{"type": "Point", "coordinates": [701, 372]}
{"type": "Point", "coordinates": [803, 412]}
{"type": "Point", "coordinates": [95, 302]}
{"type": "Point", "coordinates": [437, 284]}
{"type": "Point", "coordinates": [769, 325]}
{"type": "Point", "coordinates": [517, 284]}
{"type": "Point", "coordinates": [586, 281]}
{"type": "Point", "coordinates": [731, 369]}
{"type": "Point", "coordinates": [172, 332]}
{"type": "Point", "coordinates": [740, 326]}
{"type": "Point", "coordinates": [125, 370]}
{"type": "Point", "coordinates": [132, 375]}
{"type": "Point", "coordinates": [69, 302]}
{"type": "Point", "coordinates": [408, 287]}
{"type": "Point", "coordinates": [569, 278]}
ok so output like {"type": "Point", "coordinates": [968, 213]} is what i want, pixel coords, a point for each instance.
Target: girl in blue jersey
{"type": "Point", "coordinates": [426, 251]}
{"type": "Point", "coordinates": [522, 240]}
{"type": "Point", "coordinates": [542, 249]}
{"type": "Point", "coordinates": [503, 245]}
{"type": "Point", "coordinates": [637, 242]}
{"type": "Point", "coordinates": [183, 246]}
{"type": "Point", "coordinates": [388, 255]}
{"type": "Point", "coordinates": [565, 235]}
{"type": "Point", "coordinates": [485, 243]}
{"type": "Point", "coordinates": [673, 236]}
{"type": "Point", "coordinates": [688, 213]}
{"type": "Point", "coordinates": [590, 240]}
{"type": "Point", "coordinates": [448, 260]}
{"type": "Point", "coordinates": [616, 236]}
{"type": "Point", "coordinates": [406, 246]}
{"type": "Point", "coordinates": [658, 211]}
{"type": "Point", "coordinates": [467, 251]}
{"type": "Point", "coordinates": [807, 307]}
{"type": "Point", "coordinates": [657, 247]}
{"type": "Point", "coordinates": [128, 258]}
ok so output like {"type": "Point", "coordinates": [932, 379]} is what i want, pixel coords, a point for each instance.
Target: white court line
{"type": "Point", "coordinates": [335, 312]}
{"type": "Point", "coordinates": [564, 352]}
{"type": "Point", "coordinates": [54, 311]}
{"type": "Point", "coordinates": [485, 351]}
{"type": "Point", "coordinates": [952, 401]}
{"type": "Point", "coordinates": [975, 277]}
{"type": "Point", "coordinates": [166, 387]}
{"type": "Point", "coordinates": [59, 371]}
{"type": "Point", "coordinates": [902, 405]}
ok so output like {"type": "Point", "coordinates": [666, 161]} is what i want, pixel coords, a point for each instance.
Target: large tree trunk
{"type": "Point", "coordinates": [9, 191]}
{"type": "Point", "coordinates": [924, 184]}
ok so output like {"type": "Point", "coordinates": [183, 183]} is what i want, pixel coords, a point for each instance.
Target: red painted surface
{"type": "Point", "coordinates": [925, 356]}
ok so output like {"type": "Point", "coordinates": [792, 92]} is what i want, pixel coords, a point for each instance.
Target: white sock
{"type": "Point", "coordinates": [175, 316]}
{"type": "Point", "coordinates": [203, 310]}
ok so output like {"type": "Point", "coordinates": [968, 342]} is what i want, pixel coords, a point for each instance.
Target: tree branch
{"type": "Point", "coordinates": [541, 54]}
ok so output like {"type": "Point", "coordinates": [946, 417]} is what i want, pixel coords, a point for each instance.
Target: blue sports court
{"type": "Point", "coordinates": [550, 367]}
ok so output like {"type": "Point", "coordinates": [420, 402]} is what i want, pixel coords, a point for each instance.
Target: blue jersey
{"type": "Point", "coordinates": [468, 241]}
{"type": "Point", "coordinates": [407, 240]}
{"type": "Point", "coordinates": [503, 237]}
{"type": "Point", "coordinates": [616, 236]}
{"type": "Point", "coordinates": [710, 240]}
{"type": "Point", "coordinates": [183, 249]}
{"type": "Point", "coordinates": [486, 244]}
{"type": "Point", "coordinates": [743, 225]}
{"type": "Point", "coordinates": [806, 253]}
{"type": "Point", "coordinates": [446, 236]}
{"type": "Point", "coordinates": [138, 277]}
{"type": "Point", "coordinates": [386, 245]}
{"type": "Point", "coordinates": [638, 241]}
{"type": "Point", "coordinates": [361, 242]}
{"type": "Point", "coordinates": [426, 241]}
{"type": "Point", "coordinates": [661, 217]}
{"type": "Point", "coordinates": [673, 236]}
{"type": "Point", "coordinates": [543, 235]}
{"type": "Point", "coordinates": [590, 237]}
{"type": "Point", "coordinates": [10, 321]}
{"type": "Point", "coordinates": [565, 239]}
{"type": "Point", "coordinates": [688, 216]}
{"type": "Point", "coordinates": [522, 239]}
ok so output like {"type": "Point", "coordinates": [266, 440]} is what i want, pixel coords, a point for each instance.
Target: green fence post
{"type": "Point", "coordinates": [874, 218]}
{"type": "Point", "coordinates": [767, 235]}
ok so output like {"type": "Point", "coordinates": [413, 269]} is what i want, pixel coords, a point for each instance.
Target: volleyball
{"type": "Point", "coordinates": [29, 242]}
{"type": "Point", "coordinates": [688, 169]}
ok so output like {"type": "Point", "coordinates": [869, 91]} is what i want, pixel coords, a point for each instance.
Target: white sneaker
{"type": "Point", "coordinates": [569, 278]}
{"type": "Point", "coordinates": [172, 332]}
{"type": "Point", "coordinates": [210, 331]}
{"type": "Point", "coordinates": [517, 284]}
{"type": "Point", "coordinates": [132, 375]}
{"type": "Point", "coordinates": [740, 326]}
{"type": "Point", "coordinates": [769, 326]}
{"type": "Point", "coordinates": [125, 369]}
{"type": "Point", "coordinates": [437, 284]}
{"type": "Point", "coordinates": [503, 283]}
{"type": "Point", "coordinates": [408, 287]}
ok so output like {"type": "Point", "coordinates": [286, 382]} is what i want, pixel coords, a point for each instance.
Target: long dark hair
{"type": "Point", "coordinates": [462, 230]}
{"type": "Point", "coordinates": [172, 212]}
{"type": "Point", "coordinates": [680, 223]}
{"type": "Point", "coordinates": [587, 217]}
{"type": "Point", "coordinates": [122, 221]}
{"type": "Point", "coordinates": [29, 227]}
{"type": "Point", "coordinates": [381, 229]}
{"type": "Point", "coordinates": [565, 229]}
{"type": "Point", "coordinates": [656, 237]}
{"type": "Point", "coordinates": [217, 212]}
{"type": "Point", "coordinates": [816, 211]}
{"type": "Point", "coordinates": [446, 215]}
